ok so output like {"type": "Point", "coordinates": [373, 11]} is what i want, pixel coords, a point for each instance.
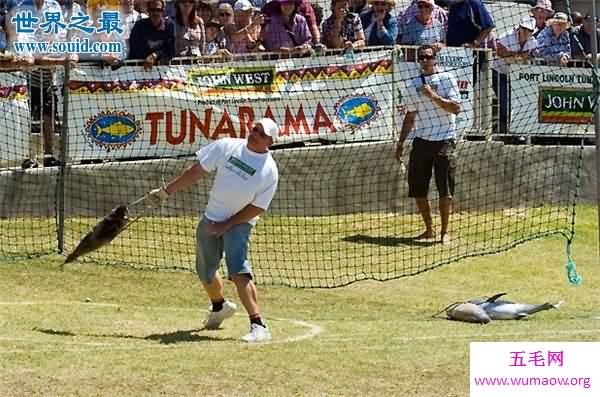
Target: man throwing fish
{"type": "Point", "coordinates": [245, 183]}
{"type": "Point", "coordinates": [433, 101]}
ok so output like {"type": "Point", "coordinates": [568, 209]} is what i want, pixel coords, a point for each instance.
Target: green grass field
{"type": "Point", "coordinates": [111, 331]}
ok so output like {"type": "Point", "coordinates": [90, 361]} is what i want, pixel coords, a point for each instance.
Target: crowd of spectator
{"type": "Point", "coordinates": [155, 31]}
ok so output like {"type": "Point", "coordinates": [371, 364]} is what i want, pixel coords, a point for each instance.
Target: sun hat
{"type": "Point", "coordinates": [559, 17]}
{"type": "Point", "coordinates": [390, 2]}
{"type": "Point", "coordinates": [543, 5]}
{"type": "Point", "coordinates": [527, 23]}
{"type": "Point", "coordinates": [242, 5]}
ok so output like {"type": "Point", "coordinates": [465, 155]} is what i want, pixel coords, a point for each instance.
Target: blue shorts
{"type": "Point", "coordinates": [210, 248]}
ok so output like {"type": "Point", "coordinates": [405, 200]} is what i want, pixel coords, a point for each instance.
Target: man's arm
{"type": "Point", "coordinates": [242, 216]}
{"type": "Point", "coordinates": [186, 179]}
{"type": "Point", "coordinates": [407, 126]}
{"type": "Point", "coordinates": [446, 104]}
{"type": "Point", "coordinates": [157, 197]}
{"type": "Point", "coordinates": [482, 37]}
{"type": "Point", "coordinates": [503, 51]}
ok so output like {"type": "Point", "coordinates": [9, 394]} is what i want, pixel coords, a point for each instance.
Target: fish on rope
{"type": "Point", "coordinates": [104, 231]}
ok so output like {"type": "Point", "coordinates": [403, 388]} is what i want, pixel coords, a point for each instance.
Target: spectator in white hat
{"type": "Point", "coordinates": [244, 35]}
{"type": "Point", "coordinates": [244, 185]}
{"type": "Point", "coordinates": [512, 46]}
{"type": "Point", "coordinates": [542, 11]}
{"type": "Point", "coordinates": [554, 42]}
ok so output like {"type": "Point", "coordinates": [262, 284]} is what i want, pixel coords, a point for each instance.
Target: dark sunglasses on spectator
{"type": "Point", "coordinates": [425, 57]}
{"type": "Point", "coordinates": [424, 5]}
{"type": "Point", "coordinates": [155, 10]}
{"type": "Point", "coordinates": [186, 1]}
{"type": "Point", "coordinates": [225, 14]}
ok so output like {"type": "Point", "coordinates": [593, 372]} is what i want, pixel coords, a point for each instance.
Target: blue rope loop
{"type": "Point", "coordinates": [572, 275]}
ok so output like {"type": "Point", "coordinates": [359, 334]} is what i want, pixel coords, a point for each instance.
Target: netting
{"type": "Point", "coordinates": [341, 212]}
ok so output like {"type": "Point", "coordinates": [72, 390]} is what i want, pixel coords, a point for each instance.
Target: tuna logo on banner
{"type": "Point", "coordinates": [112, 129]}
{"type": "Point", "coordinates": [357, 110]}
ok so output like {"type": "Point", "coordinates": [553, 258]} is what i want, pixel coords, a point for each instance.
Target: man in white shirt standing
{"type": "Point", "coordinates": [432, 102]}
{"type": "Point", "coordinates": [245, 183]}
{"type": "Point", "coordinates": [513, 46]}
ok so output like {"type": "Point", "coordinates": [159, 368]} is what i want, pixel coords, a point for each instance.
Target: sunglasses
{"type": "Point", "coordinates": [426, 57]}
{"type": "Point", "coordinates": [225, 14]}
{"type": "Point", "coordinates": [424, 5]}
{"type": "Point", "coordinates": [155, 10]}
{"type": "Point", "coordinates": [186, 2]}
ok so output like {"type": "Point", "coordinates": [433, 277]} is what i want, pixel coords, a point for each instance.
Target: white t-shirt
{"type": "Point", "coordinates": [243, 177]}
{"type": "Point", "coordinates": [510, 41]}
{"type": "Point", "coordinates": [432, 122]}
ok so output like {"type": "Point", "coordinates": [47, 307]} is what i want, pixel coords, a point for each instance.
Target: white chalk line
{"type": "Point", "coordinates": [479, 336]}
{"type": "Point", "coordinates": [313, 329]}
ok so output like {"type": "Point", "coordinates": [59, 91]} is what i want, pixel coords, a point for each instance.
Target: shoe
{"type": "Point", "coordinates": [214, 319]}
{"type": "Point", "coordinates": [257, 334]}
{"type": "Point", "coordinates": [29, 163]}
{"type": "Point", "coordinates": [51, 161]}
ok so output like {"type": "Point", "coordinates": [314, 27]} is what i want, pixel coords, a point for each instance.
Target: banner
{"type": "Point", "coordinates": [15, 122]}
{"type": "Point", "coordinates": [550, 100]}
{"type": "Point", "coordinates": [565, 105]}
{"type": "Point", "coordinates": [169, 111]}
{"type": "Point", "coordinates": [131, 113]}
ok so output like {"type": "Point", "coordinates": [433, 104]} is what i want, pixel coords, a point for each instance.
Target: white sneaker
{"type": "Point", "coordinates": [214, 319]}
{"type": "Point", "coordinates": [257, 334]}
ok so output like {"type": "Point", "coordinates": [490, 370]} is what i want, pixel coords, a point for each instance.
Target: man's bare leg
{"type": "Point", "coordinates": [425, 211]}
{"type": "Point", "coordinates": [214, 289]}
{"type": "Point", "coordinates": [247, 293]}
{"type": "Point", "coordinates": [445, 203]}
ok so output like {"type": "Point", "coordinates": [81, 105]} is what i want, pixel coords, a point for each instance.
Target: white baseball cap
{"type": "Point", "coordinates": [269, 126]}
{"type": "Point", "coordinates": [242, 5]}
{"type": "Point", "coordinates": [528, 23]}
